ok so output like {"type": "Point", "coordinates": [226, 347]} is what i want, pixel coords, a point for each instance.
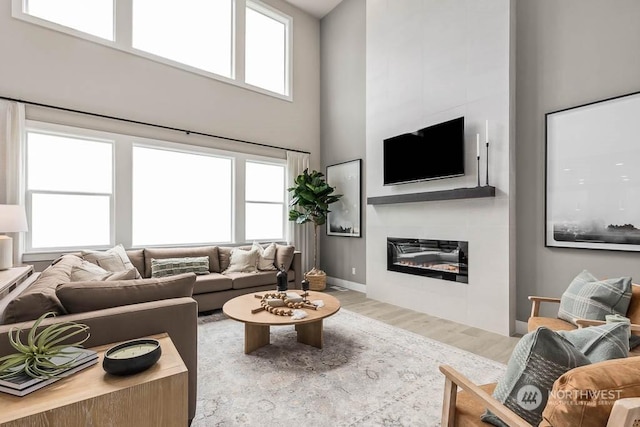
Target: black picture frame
{"type": "Point", "coordinates": [345, 218]}
{"type": "Point", "coordinates": [592, 175]}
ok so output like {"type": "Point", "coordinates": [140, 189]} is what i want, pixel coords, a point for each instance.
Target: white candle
{"type": "Point", "coordinates": [478, 144]}
{"type": "Point", "coordinates": [486, 131]}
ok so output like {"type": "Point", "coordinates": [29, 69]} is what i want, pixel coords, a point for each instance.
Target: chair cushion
{"type": "Point", "coordinates": [212, 282]}
{"type": "Point", "coordinates": [469, 409]}
{"type": "Point", "coordinates": [633, 312]}
{"type": "Point", "coordinates": [551, 323]}
{"type": "Point", "coordinates": [590, 298]}
{"type": "Point", "coordinates": [80, 297]}
{"type": "Point", "coordinates": [599, 343]}
{"type": "Point", "coordinates": [584, 396]}
{"type": "Point", "coordinates": [538, 359]}
{"type": "Point", "coordinates": [199, 251]}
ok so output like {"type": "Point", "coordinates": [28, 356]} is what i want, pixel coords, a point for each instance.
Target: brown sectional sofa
{"type": "Point", "coordinates": [127, 309]}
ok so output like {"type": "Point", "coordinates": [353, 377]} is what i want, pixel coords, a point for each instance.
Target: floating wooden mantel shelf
{"type": "Point", "coordinates": [456, 193]}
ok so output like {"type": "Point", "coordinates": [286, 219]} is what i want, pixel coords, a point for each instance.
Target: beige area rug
{"type": "Point", "coordinates": [367, 374]}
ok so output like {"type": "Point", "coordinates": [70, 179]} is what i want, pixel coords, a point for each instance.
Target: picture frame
{"type": "Point", "coordinates": [345, 216]}
{"type": "Point", "coordinates": [592, 175]}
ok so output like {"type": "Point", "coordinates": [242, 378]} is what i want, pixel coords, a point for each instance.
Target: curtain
{"type": "Point", "coordinates": [12, 131]}
{"type": "Point", "coordinates": [301, 236]}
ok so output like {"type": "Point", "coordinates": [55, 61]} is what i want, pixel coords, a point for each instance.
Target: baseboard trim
{"type": "Point", "coordinates": [521, 327]}
{"type": "Point", "coordinates": [354, 286]}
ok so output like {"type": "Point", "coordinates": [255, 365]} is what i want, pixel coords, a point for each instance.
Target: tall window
{"type": "Point", "coordinates": [265, 201]}
{"type": "Point", "coordinates": [266, 48]}
{"type": "Point", "coordinates": [180, 198]}
{"type": "Point", "coordinates": [192, 32]}
{"type": "Point", "coordinates": [69, 191]}
{"type": "Point", "coordinates": [94, 17]}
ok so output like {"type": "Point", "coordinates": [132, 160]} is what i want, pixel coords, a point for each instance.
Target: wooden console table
{"type": "Point", "coordinates": [156, 397]}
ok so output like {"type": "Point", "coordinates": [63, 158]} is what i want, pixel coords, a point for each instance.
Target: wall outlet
{"type": "Point", "coordinates": [353, 271]}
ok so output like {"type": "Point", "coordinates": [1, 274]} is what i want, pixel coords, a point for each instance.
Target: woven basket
{"type": "Point", "coordinates": [317, 282]}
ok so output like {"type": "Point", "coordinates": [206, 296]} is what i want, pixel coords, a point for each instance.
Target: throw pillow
{"type": "Point", "coordinates": [114, 259]}
{"type": "Point", "coordinates": [539, 358]}
{"type": "Point", "coordinates": [80, 297]}
{"type": "Point", "coordinates": [243, 261]}
{"type": "Point", "coordinates": [590, 298]}
{"type": "Point", "coordinates": [88, 271]}
{"type": "Point", "coordinates": [172, 266]}
{"type": "Point", "coordinates": [266, 256]}
{"type": "Point", "coordinates": [603, 342]}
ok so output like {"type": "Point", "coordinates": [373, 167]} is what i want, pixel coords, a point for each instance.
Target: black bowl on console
{"type": "Point", "coordinates": [131, 357]}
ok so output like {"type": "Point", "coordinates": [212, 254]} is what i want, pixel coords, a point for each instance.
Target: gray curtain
{"type": "Point", "coordinates": [301, 236]}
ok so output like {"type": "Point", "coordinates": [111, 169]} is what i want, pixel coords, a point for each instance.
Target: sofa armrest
{"type": "Point", "coordinates": [176, 316]}
{"type": "Point", "coordinates": [453, 380]}
{"type": "Point", "coordinates": [535, 303]}
{"type": "Point", "coordinates": [297, 267]}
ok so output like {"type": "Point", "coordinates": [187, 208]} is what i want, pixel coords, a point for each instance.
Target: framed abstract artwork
{"type": "Point", "coordinates": [345, 216]}
{"type": "Point", "coordinates": [592, 194]}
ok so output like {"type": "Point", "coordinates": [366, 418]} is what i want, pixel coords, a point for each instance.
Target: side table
{"type": "Point", "coordinates": [155, 397]}
{"type": "Point", "coordinates": [12, 277]}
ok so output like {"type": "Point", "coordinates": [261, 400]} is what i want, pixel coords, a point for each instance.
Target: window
{"type": "Point", "coordinates": [180, 198]}
{"type": "Point", "coordinates": [265, 201]}
{"type": "Point", "coordinates": [266, 48]}
{"type": "Point", "coordinates": [199, 35]}
{"type": "Point", "coordinates": [94, 17]}
{"type": "Point", "coordinates": [69, 191]}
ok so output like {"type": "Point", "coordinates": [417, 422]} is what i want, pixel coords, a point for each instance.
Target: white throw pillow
{"type": "Point", "coordinates": [266, 256]}
{"type": "Point", "coordinates": [89, 272]}
{"type": "Point", "coordinates": [242, 261]}
{"type": "Point", "coordinates": [114, 259]}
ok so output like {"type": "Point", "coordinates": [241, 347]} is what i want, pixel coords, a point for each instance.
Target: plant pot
{"type": "Point", "coordinates": [317, 280]}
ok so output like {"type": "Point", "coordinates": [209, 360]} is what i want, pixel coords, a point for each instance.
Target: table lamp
{"type": "Point", "coordinates": [12, 220]}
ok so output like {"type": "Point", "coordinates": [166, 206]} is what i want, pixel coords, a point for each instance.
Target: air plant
{"type": "Point", "coordinates": [34, 357]}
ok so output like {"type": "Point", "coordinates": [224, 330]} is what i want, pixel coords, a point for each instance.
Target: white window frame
{"type": "Point", "coordinates": [123, 38]}
{"type": "Point", "coordinates": [122, 187]}
{"type": "Point", "coordinates": [285, 217]}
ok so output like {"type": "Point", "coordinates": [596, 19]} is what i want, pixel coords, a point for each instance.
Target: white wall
{"type": "Point", "coordinates": [427, 62]}
{"type": "Point", "coordinates": [50, 67]}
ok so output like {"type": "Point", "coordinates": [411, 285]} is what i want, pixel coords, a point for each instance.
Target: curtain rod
{"type": "Point", "coordinates": [186, 131]}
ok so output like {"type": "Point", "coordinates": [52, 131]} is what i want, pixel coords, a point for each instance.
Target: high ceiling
{"type": "Point", "coordinates": [317, 8]}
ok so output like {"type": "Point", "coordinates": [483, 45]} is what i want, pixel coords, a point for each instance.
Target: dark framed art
{"type": "Point", "coordinates": [345, 216]}
{"type": "Point", "coordinates": [592, 197]}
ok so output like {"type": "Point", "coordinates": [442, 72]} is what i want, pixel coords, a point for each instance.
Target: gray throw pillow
{"type": "Point", "coordinates": [590, 298]}
{"type": "Point", "coordinates": [539, 358]}
{"type": "Point", "coordinates": [172, 266]}
{"type": "Point", "coordinates": [602, 342]}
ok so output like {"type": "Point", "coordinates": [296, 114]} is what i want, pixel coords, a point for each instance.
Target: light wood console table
{"type": "Point", "coordinates": [156, 397]}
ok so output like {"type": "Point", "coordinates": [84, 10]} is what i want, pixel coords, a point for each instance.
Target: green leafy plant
{"type": "Point", "coordinates": [34, 356]}
{"type": "Point", "coordinates": [310, 203]}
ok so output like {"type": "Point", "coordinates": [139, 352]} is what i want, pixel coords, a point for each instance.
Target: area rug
{"type": "Point", "coordinates": [367, 374]}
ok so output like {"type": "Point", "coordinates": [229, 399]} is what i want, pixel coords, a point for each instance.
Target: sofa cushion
{"type": "Point", "coordinates": [114, 259]}
{"type": "Point", "coordinates": [584, 396]}
{"type": "Point", "coordinates": [284, 256]}
{"type": "Point", "coordinates": [243, 261]}
{"type": "Point", "coordinates": [136, 256]}
{"type": "Point", "coordinates": [199, 251]}
{"type": "Point", "coordinates": [590, 298]}
{"type": "Point", "coordinates": [538, 359]}
{"type": "Point", "coordinates": [266, 256]}
{"type": "Point", "coordinates": [172, 266]}
{"type": "Point", "coordinates": [599, 343]}
{"type": "Point", "coordinates": [250, 280]}
{"type": "Point", "coordinates": [40, 297]}
{"type": "Point", "coordinates": [212, 282]}
{"type": "Point", "coordinates": [80, 297]}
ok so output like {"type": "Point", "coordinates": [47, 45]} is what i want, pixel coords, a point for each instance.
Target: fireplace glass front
{"type": "Point", "coordinates": [440, 259]}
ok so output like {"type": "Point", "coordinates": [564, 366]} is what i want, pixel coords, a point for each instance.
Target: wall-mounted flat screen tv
{"type": "Point", "coordinates": [431, 153]}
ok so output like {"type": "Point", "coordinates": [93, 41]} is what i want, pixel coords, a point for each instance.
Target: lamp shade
{"type": "Point", "coordinates": [12, 219]}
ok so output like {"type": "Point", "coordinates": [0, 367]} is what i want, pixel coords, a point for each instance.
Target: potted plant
{"type": "Point", "coordinates": [310, 203]}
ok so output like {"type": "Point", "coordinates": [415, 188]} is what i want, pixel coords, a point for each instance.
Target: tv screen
{"type": "Point", "coordinates": [431, 153]}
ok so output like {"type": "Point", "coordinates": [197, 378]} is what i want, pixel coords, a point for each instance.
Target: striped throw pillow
{"type": "Point", "coordinates": [172, 266]}
{"type": "Point", "coordinates": [599, 343]}
{"type": "Point", "coordinates": [590, 298]}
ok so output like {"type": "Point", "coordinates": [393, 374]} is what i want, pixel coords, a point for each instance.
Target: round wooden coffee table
{"type": "Point", "coordinates": [257, 326]}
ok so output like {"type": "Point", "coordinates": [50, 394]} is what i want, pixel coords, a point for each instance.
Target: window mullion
{"type": "Point", "coordinates": [123, 20]}
{"type": "Point", "coordinates": [239, 40]}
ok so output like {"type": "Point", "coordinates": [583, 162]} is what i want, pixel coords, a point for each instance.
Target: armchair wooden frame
{"type": "Point", "coordinates": [453, 380]}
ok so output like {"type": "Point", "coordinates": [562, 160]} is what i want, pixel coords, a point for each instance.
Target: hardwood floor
{"type": "Point", "coordinates": [488, 344]}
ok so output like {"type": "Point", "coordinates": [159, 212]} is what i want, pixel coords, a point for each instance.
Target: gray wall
{"type": "Point", "coordinates": [569, 52]}
{"type": "Point", "coordinates": [342, 137]}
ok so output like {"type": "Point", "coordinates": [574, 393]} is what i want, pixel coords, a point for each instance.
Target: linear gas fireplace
{"type": "Point", "coordinates": [440, 259]}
